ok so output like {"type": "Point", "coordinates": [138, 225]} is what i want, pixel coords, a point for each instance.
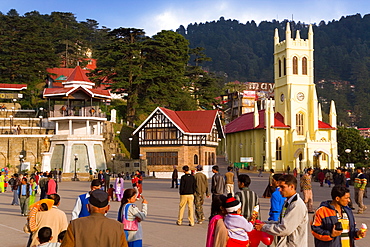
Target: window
{"type": "Point", "coordinates": [324, 156]}
{"type": "Point", "coordinates": [279, 68]}
{"type": "Point", "coordinates": [295, 65]}
{"type": "Point", "coordinates": [278, 148]}
{"type": "Point", "coordinates": [299, 124]}
{"type": "Point", "coordinates": [127, 164]}
{"type": "Point", "coordinates": [160, 134]}
{"type": "Point", "coordinates": [162, 158]}
{"type": "Point", "coordinates": [195, 159]}
{"type": "Point", "coordinates": [304, 66]}
{"type": "Point", "coordinates": [136, 164]}
{"type": "Point", "coordinates": [284, 66]}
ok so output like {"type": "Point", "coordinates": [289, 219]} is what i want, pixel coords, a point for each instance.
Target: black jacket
{"type": "Point", "coordinates": [187, 184]}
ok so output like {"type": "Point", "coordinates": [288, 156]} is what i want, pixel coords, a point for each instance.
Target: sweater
{"type": "Point", "coordinates": [323, 222]}
{"type": "Point", "coordinates": [237, 227]}
{"type": "Point", "coordinates": [187, 184]}
{"type": "Point", "coordinates": [249, 200]}
{"type": "Point", "coordinates": [218, 184]}
{"type": "Point", "coordinates": [360, 181]}
{"type": "Point", "coordinates": [277, 202]}
{"type": "Point", "coordinates": [201, 184]}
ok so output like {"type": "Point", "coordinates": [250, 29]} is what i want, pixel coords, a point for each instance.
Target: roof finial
{"type": "Point", "coordinates": [287, 31]}
{"type": "Point", "coordinates": [298, 35]}
{"type": "Point", "coordinates": [276, 37]}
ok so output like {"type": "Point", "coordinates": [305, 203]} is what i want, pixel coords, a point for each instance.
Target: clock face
{"type": "Point", "coordinates": [282, 97]}
{"type": "Point", "coordinates": [300, 96]}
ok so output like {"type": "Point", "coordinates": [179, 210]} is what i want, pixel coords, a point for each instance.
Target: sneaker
{"type": "Point", "coordinates": [177, 223]}
{"type": "Point", "coordinates": [191, 224]}
{"type": "Point", "coordinates": [365, 208]}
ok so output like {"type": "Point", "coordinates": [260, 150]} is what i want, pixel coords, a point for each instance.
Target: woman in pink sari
{"type": "Point", "coordinates": [217, 235]}
{"type": "Point", "coordinates": [118, 187]}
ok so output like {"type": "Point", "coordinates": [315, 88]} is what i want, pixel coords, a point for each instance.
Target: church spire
{"type": "Point", "coordinates": [333, 115]}
{"type": "Point", "coordinates": [288, 33]}
{"type": "Point", "coordinates": [298, 35]}
{"type": "Point", "coordinates": [276, 37]}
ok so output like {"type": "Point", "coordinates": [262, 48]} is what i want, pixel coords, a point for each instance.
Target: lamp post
{"type": "Point", "coordinates": [130, 139]}
{"type": "Point", "coordinates": [40, 123]}
{"type": "Point", "coordinates": [347, 151]}
{"type": "Point", "coordinates": [113, 156]}
{"type": "Point", "coordinates": [75, 177]}
{"type": "Point", "coordinates": [41, 109]}
{"type": "Point", "coordinates": [21, 159]}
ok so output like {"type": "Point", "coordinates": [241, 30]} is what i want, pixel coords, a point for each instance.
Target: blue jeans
{"type": "Point", "coordinates": [15, 198]}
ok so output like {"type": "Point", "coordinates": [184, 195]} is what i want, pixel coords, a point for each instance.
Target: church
{"type": "Point", "coordinates": [288, 131]}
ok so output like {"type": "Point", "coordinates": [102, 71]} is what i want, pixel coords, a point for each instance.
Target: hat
{"type": "Point", "coordinates": [232, 205]}
{"type": "Point", "coordinates": [99, 198]}
{"type": "Point", "coordinates": [199, 167]}
{"type": "Point", "coordinates": [95, 182]}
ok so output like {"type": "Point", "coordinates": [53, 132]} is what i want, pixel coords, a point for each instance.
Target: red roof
{"type": "Point", "coordinates": [323, 125]}
{"type": "Point", "coordinates": [56, 72]}
{"type": "Point", "coordinates": [69, 90]}
{"type": "Point", "coordinates": [6, 86]}
{"type": "Point", "coordinates": [192, 121]}
{"type": "Point", "coordinates": [246, 122]}
{"type": "Point", "coordinates": [78, 75]}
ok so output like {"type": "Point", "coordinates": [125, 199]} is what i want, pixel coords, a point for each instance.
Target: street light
{"type": "Point", "coordinates": [40, 123]}
{"type": "Point", "coordinates": [10, 124]}
{"type": "Point", "coordinates": [113, 155]}
{"type": "Point", "coordinates": [347, 151]}
{"type": "Point", "coordinates": [130, 139]}
{"type": "Point", "coordinates": [21, 159]}
{"type": "Point", "coordinates": [75, 177]}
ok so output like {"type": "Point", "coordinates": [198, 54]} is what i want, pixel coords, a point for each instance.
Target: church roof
{"type": "Point", "coordinates": [246, 122]}
{"type": "Point", "coordinates": [190, 122]}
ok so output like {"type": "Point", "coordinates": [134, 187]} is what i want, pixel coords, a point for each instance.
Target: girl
{"type": "Point", "coordinates": [119, 188]}
{"type": "Point", "coordinates": [128, 211]}
{"type": "Point", "coordinates": [33, 186]}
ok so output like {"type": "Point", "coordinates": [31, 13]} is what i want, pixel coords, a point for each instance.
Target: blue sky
{"type": "Point", "coordinates": [156, 15]}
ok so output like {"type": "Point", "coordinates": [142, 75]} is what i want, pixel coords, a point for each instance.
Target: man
{"type": "Point", "coordinates": [2, 180]}
{"type": "Point", "coordinates": [339, 178]}
{"type": "Point", "coordinates": [15, 185]}
{"type": "Point", "coordinates": [291, 229]}
{"type": "Point", "coordinates": [106, 180]}
{"type": "Point", "coordinates": [175, 176]}
{"type": "Point", "coordinates": [51, 186]}
{"type": "Point", "coordinates": [229, 175]}
{"type": "Point", "coordinates": [306, 188]}
{"type": "Point", "coordinates": [359, 186]}
{"type": "Point", "coordinates": [55, 174]}
{"type": "Point", "coordinates": [54, 218]}
{"type": "Point", "coordinates": [247, 197]}
{"type": "Point", "coordinates": [80, 209]}
{"type": "Point", "coordinates": [24, 192]}
{"type": "Point", "coordinates": [187, 190]}
{"type": "Point", "coordinates": [96, 229]}
{"type": "Point", "coordinates": [218, 183]}
{"type": "Point", "coordinates": [331, 212]}
{"type": "Point", "coordinates": [201, 188]}
{"type": "Point", "coordinates": [42, 184]}
{"type": "Point", "coordinates": [277, 200]}
{"type": "Point", "coordinates": [91, 174]}
{"type": "Point", "coordinates": [60, 173]}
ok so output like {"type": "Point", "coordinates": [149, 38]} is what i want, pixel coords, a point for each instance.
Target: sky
{"type": "Point", "coordinates": [156, 15]}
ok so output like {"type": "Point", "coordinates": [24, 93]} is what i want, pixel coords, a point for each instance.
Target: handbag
{"type": "Point", "coordinates": [129, 225]}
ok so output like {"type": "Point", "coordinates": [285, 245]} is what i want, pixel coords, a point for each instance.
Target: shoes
{"type": "Point", "coordinates": [191, 224]}
{"type": "Point", "coordinates": [365, 208]}
{"type": "Point", "coordinates": [200, 222]}
{"type": "Point", "coordinates": [353, 208]}
{"type": "Point", "coordinates": [177, 223]}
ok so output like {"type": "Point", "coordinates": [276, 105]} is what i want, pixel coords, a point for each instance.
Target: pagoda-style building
{"type": "Point", "coordinates": [75, 108]}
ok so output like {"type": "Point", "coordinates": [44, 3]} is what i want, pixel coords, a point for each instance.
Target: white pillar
{"type": "Point", "coordinates": [99, 130]}
{"type": "Point", "coordinates": [88, 130]}
{"type": "Point", "coordinates": [70, 127]}
{"type": "Point", "coordinates": [56, 127]}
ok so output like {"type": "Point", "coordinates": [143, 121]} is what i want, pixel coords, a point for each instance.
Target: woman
{"type": "Point", "coordinates": [217, 234]}
{"type": "Point", "coordinates": [139, 183]}
{"type": "Point", "coordinates": [33, 185]}
{"type": "Point", "coordinates": [270, 188]}
{"type": "Point", "coordinates": [118, 187]}
{"type": "Point", "coordinates": [130, 212]}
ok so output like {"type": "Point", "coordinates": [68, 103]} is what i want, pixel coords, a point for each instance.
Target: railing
{"type": "Point", "coordinates": [63, 111]}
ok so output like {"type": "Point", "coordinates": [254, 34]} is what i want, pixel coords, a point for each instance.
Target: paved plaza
{"type": "Point", "coordinates": [159, 228]}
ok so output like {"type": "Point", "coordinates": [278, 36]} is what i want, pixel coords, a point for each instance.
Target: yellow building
{"type": "Point", "coordinates": [289, 131]}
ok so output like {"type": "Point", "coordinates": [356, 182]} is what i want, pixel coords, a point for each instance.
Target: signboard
{"type": "Point", "coordinates": [241, 165]}
{"type": "Point", "coordinates": [11, 96]}
{"type": "Point", "coordinates": [249, 94]}
{"type": "Point", "coordinates": [246, 159]}
{"type": "Point", "coordinates": [260, 86]}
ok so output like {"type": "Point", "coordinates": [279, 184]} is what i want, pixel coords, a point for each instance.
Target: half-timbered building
{"type": "Point", "coordinates": [168, 138]}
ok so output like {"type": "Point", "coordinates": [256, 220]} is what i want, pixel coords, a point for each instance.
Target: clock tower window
{"type": "Point", "coordinates": [295, 65]}
{"type": "Point", "coordinates": [299, 124]}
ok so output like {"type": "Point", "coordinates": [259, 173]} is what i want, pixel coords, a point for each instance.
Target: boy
{"type": "Point", "coordinates": [237, 226]}
{"type": "Point", "coordinates": [248, 198]}
{"type": "Point", "coordinates": [111, 192]}
{"type": "Point", "coordinates": [44, 236]}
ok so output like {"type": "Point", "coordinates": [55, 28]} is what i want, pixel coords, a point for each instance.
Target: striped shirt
{"type": "Point", "coordinates": [360, 181]}
{"type": "Point", "coordinates": [249, 200]}
{"type": "Point", "coordinates": [306, 182]}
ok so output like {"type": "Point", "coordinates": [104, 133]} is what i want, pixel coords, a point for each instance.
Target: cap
{"type": "Point", "coordinates": [199, 167]}
{"type": "Point", "coordinates": [232, 205]}
{"type": "Point", "coordinates": [95, 182]}
{"type": "Point", "coordinates": [99, 198]}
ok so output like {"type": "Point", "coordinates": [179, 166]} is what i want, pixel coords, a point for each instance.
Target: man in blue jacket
{"type": "Point", "coordinates": [80, 209]}
{"type": "Point", "coordinates": [329, 213]}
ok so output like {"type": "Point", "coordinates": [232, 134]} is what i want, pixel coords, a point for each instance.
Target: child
{"type": "Point", "coordinates": [44, 237]}
{"type": "Point", "coordinates": [111, 192]}
{"type": "Point", "coordinates": [134, 181]}
{"type": "Point", "coordinates": [237, 226]}
{"type": "Point", "coordinates": [60, 237]}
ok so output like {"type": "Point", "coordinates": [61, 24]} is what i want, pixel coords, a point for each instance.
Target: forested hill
{"type": "Point", "coordinates": [244, 52]}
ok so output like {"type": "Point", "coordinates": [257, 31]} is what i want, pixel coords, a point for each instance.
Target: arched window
{"type": "Point", "coordinates": [324, 156]}
{"type": "Point", "coordinates": [195, 159]}
{"type": "Point", "coordinates": [278, 148]}
{"type": "Point", "coordinates": [295, 65]}
{"type": "Point", "coordinates": [304, 66]}
{"type": "Point", "coordinates": [284, 65]}
{"type": "Point", "coordinates": [279, 68]}
{"type": "Point", "coordinates": [299, 124]}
